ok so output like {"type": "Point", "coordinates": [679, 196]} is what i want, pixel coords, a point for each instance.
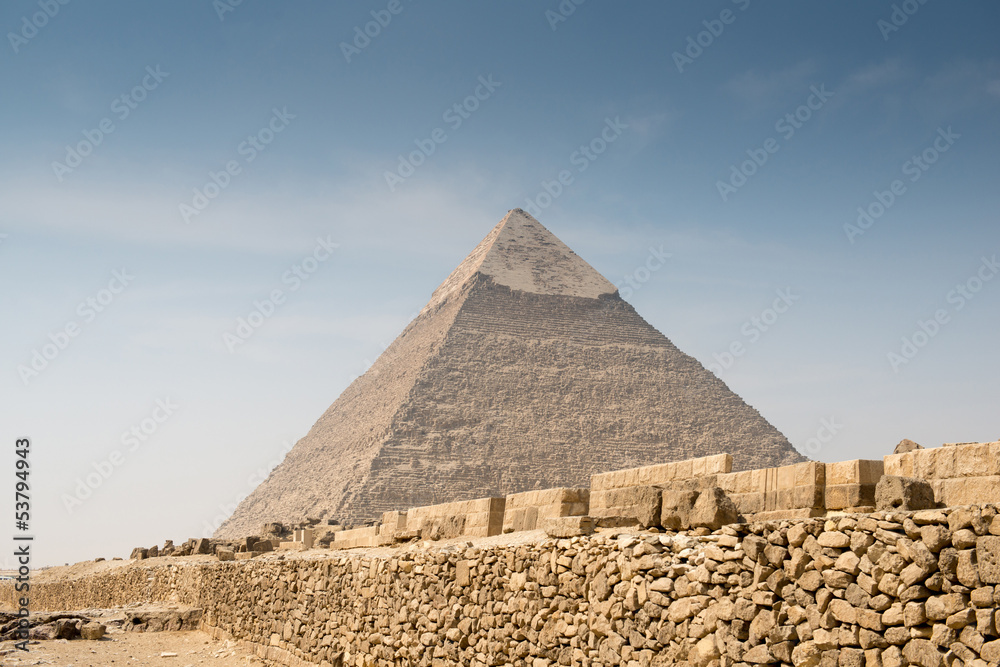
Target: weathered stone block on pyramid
{"type": "Point", "coordinates": [526, 370]}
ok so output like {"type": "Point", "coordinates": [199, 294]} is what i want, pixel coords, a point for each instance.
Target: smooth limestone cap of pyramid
{"type": "Point", "coordinates": [520, 253]}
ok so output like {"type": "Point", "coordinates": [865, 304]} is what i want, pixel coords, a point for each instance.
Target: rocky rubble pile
{"type": "Point", "coordinates": [885, 589]}
{"type": "Point", "coordinates": [50, 626]}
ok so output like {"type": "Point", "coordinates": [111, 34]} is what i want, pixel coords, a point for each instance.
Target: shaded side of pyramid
{"type": "Point", "coordinates": [526, 370]}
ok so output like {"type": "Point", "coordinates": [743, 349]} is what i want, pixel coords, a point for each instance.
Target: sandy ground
{"type": "Point", "coordinates": [132, 649]}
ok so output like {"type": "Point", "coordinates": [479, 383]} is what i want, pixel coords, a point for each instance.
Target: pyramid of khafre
{"type": "Point", "coordinates": [526, 370]}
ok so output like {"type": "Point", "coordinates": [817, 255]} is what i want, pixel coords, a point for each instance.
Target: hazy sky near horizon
{"type": "Point", "coordinates": [823, 178]}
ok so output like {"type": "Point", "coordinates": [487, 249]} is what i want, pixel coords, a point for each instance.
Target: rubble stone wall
{"type": "Point", "coordinates": [886, 589]}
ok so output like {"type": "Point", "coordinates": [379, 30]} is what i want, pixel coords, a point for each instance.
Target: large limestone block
{"type": "Point", "coordinates": [568, 526]}
{"type": "Point", "coordinates": [857, 471]}
{"type": "Point", "coordinates": [356, 537]}
{"type": "Point", "coordinates": [975, 460]}
{"type": "Point", "coordinates": [843, 496]}
{"type": "Point", "coordinates": [966, 490]}
{"type": "Point", "coordinates": [393, 522]}
{"type": "Point", "coordinates": [663, 473]}
{"type": "Point", "coordinates": [713, 509]}
{"type": "Point", "coordinates": [900, 465]}
{"type": "Point", "coordinates": [903, 493]}
{"type": "Point", "coordinates": [748, 503]}
{"type": "Point", "coordinates": [925, 463]}
{"type": "Point", "coordinates": [641, 503]}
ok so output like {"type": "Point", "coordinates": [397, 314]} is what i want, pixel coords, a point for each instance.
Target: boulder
{"type": "Point", "coordinates": [203, 546]}
{"type": "Point", "coordinates": [906, 446]}
{"type": "Point", "coordinates": [903, 493]}
{"type": "Point", "coordinates": [676, 506]}
{"type": "Point", "coordinates": [139, 553]}
{"type": "Point", "coordinates": [633, 504]}
{"type": "Point", "coordinates": [92, 630]}
{"type": "Point", "coordinates": [713, 510]}
{"type": "Point", "coordinates": [685, 508]}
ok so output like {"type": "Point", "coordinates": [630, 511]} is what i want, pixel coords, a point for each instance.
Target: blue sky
{"type": "Point", "coordinates": [217, 156]}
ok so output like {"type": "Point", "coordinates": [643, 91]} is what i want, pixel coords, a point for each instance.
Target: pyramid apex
{"type": "Point", "coordinates": [520, 253]}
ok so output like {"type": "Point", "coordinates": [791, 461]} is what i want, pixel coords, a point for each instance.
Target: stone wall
{"type": "Point", "coordinates": [780, 493]}
{"type": "Point", "coordinates": [367, 536]}
{"type": "Point", "coordinates": [530, 509]}
{"type": "Point", "coordinates": [885, 589]}
{"type": "Point", "coordinates": [959, 473]}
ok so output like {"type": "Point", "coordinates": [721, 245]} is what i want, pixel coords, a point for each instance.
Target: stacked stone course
{"type": "Point", "coordinates": [886, 589]}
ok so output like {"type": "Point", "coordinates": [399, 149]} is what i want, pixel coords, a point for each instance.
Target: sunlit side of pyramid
{"type": "Point", "coordinates": [525, 370]}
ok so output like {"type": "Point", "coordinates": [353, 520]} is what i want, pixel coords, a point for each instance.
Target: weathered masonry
{"type": "Point", "coordinates": [957, 474]}
{"type": "Point", "coordinates": [886, 588]}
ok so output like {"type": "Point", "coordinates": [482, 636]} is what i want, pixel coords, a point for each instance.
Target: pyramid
{"type": "Point", "coordinates": [526, 370]}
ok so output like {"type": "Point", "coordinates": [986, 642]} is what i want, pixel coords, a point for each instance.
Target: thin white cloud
{"type": "Point", "coordinates": [757, 90]}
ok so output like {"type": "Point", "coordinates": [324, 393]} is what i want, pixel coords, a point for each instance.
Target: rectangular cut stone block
{"type": "Point", "coordinates": [568, 526]}
{"type": "Point", "coordinates": [857, 471]}
{"type": "Point", "coordinates": [304, 536]}
{"type": "Point", "coordinates": [526, 511]}
{"type": "Point", "coordinates": [748, 503]}
{"type": "Point", "coordinates": [392, 523]}
{"type": "Point", "coordinates": [977, 460]}
{"type": "Point", "coordinates": [899, 465]}
{"type": "Point", "coordinates": [662, 472]}
{"type": "Point", "coordinates": [851, 484]}
{"type": "Point", "coordinates": [357, 537]}
{"type": "Point", "coordinates": [798, 486]}
{"type": "Point", "coordinates": [482, 517]}
{"type": "Point", "coordinates": [925, 463]}
{"type": "Point", "coordinates": [966, 490]}
{"type": "Point", "coordinates": [639, 503]}
{"type": "Point", "coordinates": [844, 496]}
